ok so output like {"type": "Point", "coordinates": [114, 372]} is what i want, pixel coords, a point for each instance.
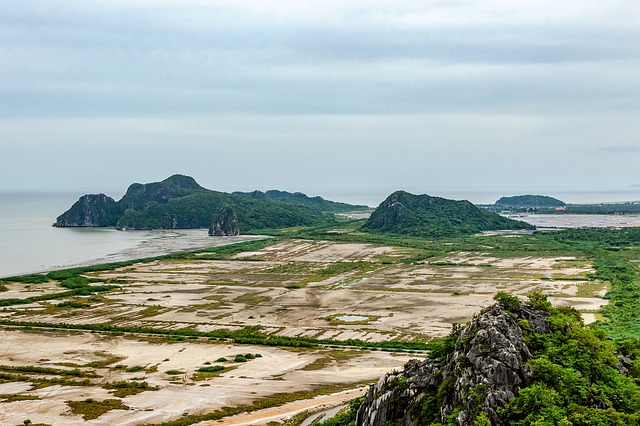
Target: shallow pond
{"type": "Point", "coordinates": [351, 318]}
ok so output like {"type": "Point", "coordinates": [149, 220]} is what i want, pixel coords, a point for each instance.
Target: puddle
{"type": "Point", "coordinates": [351, 318]}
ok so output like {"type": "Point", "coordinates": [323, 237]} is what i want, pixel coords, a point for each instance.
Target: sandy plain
{"type": "Point", "coordinates": [291, 288]}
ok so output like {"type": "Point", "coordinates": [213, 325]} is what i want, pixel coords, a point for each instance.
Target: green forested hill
{"type": "Point", "coordinates": [178, 202]}
{"type": "Point", "coordinates": [298, 198]}
{"type": "Point", "coordinates": [426, 216]}
{"type": "Point", "coordinates": [530, 201]}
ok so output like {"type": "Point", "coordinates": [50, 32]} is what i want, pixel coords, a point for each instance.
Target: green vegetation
{"type": "Point", "coordinates": [434, 217]}
{"type": "Point", "coordinates": [47, 370]}
{"type": "Point", "coordinates": [211, 369]}
{"type": "Point", "coordinates": [6, 398]}
{"type": "Point", "coordinates": [90, 409]}
{"type": "Point", "coordinates": [247, 335]}
{"type": "Point", "coordinates": [105, 360]}
{"type": "Point", "coordinates": [208, 372]}
{"type": "Point", "coordinates": [179, 202]}
{"type": "Point", "coordinates": [27, 279]}
{"type": "Point", "coordinates": [300, 199]}
{"type": "Point", "coordinates": [39, 382]}
{"type": "Point", "coordinates": [268, 402]}
{"type": "Point", "coordinates": [576, 378]}
{"type": "Point", "coordinates": [529, 201]}
{"type": "Point", "coordinates": [72, 304]}
{"type": "Point", "coordinates": [580, 377]}
{"type": "Point", "coordinates": [124, 388]}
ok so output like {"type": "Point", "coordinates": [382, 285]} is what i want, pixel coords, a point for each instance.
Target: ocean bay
{"type": "Point", "coordinates": [28, 242]}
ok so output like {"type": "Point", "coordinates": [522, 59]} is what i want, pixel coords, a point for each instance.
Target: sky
{"type": "Point", "coordinates": [323, 97]}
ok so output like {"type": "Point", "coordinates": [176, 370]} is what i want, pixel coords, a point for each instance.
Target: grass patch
{"type": "Point", "coordinates": [592, 288]}
{"type": "Point", "coordinates": [47, 371]}
{"type": "Point", "coordinates": [125, 388]}
{"type": "Point", "coordinates": [135, 369]}
{"type": "Point", "coordinates": [205, 373]}
{"type": "Point", "coordinates": [174, 372]}
{"type": "Point", "coordinates": [6, 398]}
{"type": "Point", "coordinates": [151, 311]}
{"type": "Point", "coordinates": [105, 360]}
{"type": "Point", "coordinates": [90, 409]}
{"type": "Point", "coordinates": [251, 299]}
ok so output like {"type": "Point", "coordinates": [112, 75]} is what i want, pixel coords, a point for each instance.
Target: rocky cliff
{"type": "Point", "coordinates": [225, 224]}
{"type": "Point", "coordinates": [90, 210]}
{"type": "Point", "coordinates": [486, 370]}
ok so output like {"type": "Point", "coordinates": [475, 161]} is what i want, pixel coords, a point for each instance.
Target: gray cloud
{"type": "Point", "coordinates": [459, 93]}
{"type": "Point", "coordinates": [620, 149]}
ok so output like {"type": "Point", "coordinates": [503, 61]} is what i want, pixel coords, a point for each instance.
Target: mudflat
{"type": "Point", "coordinates": [155, 363]}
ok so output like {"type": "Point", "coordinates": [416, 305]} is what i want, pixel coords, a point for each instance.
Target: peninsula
{"type": "Point", "coordinates": [179, 202]}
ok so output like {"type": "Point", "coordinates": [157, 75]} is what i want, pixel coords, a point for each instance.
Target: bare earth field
{"type": "Point", "coordinates": [295, 288]}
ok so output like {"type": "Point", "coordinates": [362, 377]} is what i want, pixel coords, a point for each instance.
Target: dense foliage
{"type": "Point", "coordinates": [579, 376]}
{"type": "Point", "coordinates": [529, 201]}
{"type": "Point", "coordinates": [300, 199]}
{"type": "Point", "coordinates": [432, 217]}
{"type": "Point", "coordinates": [178, 202]}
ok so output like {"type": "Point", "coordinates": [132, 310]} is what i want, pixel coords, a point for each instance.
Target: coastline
{"type": "Point", "coordinates": [150, 244]}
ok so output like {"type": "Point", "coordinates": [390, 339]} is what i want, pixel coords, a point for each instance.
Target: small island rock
{"type": "Point", "coordinates": [226, 223]}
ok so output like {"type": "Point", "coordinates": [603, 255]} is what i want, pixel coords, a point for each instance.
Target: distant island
{"type": "Point", "coordinates": [427, 216]}
{"type": "Point", "coordinates": [543, 204]}
{"type": "Point", "coordinates": [179, 202]}
{"type": "Point", "coordinates": [530, 201]}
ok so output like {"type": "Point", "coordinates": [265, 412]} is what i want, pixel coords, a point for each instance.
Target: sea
{"type": "Point", "coordinates": [29, 243]}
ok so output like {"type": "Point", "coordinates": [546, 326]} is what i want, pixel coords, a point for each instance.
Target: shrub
{"type": "Point", "coordinates": [509, 302]}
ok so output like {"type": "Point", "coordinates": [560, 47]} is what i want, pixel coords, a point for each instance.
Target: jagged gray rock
{"type": "Point", "coordinates": [226, 223]}
{"type": "Point", "coordinates": [90, 210]}
{"type": "Point", "coordinates": [486, 369]}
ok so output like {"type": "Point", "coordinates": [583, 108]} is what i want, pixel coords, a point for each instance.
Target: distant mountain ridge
{"type": "Point", "coordinates": [298, 198]}
{"type": "Point", "coordinates": [427, 216]}
{"type": "Point", "coordinates": [179, 202]}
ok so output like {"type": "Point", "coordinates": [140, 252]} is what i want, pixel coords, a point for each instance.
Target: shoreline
{"type": "Point", "coordinates": [157, 243]}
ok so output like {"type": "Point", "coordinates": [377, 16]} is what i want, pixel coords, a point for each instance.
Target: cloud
{"type": "Point", "coordinates": [156, 58]}
{"type": "Point", "coordinates": [498, 90]}
{"type": "Point", "coordinates": [628, 149]}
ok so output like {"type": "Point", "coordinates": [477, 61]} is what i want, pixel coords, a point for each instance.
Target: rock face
{"type": "Point", "coordinates": [483, 373]}
{"type": "Point", "coordinates": [226, 223]}
{"type": "Point", "coordinates": [90, 210]}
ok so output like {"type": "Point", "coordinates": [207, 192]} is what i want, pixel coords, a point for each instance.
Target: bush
{"type": "Point", "coordinates": [509, 302]}
{"type": "Point", "coordinates": [211, 369]}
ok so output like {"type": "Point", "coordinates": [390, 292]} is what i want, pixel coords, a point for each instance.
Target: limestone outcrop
{"type": "Point", "coordinates": [90, 210]}
{"type": "Point", "coordinates": [486, 369]}
{"type": "Point", "coordinates": [226, 223]}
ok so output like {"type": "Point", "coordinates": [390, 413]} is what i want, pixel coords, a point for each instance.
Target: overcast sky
{"type": "Point", "coordinates": [321, 96]}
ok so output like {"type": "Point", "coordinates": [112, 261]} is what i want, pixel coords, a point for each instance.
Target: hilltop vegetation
{"type": "Point", "coordinates": [529, 201]}
{"type": "Point", "coordinates": [179, 202]}
{"type": "Point", "coordinates": [426, 216]}
{"type": "Point", "coordinates": [517, 364]}
{"type": "Point", "coordinates": [298, 198]}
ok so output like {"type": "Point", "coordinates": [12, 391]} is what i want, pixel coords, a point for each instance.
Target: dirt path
{"type": "Point", "coordinates": [262, 417]}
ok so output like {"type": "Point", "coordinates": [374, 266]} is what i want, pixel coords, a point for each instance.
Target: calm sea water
{"type": "Point", "coordinates": [28, 242]}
